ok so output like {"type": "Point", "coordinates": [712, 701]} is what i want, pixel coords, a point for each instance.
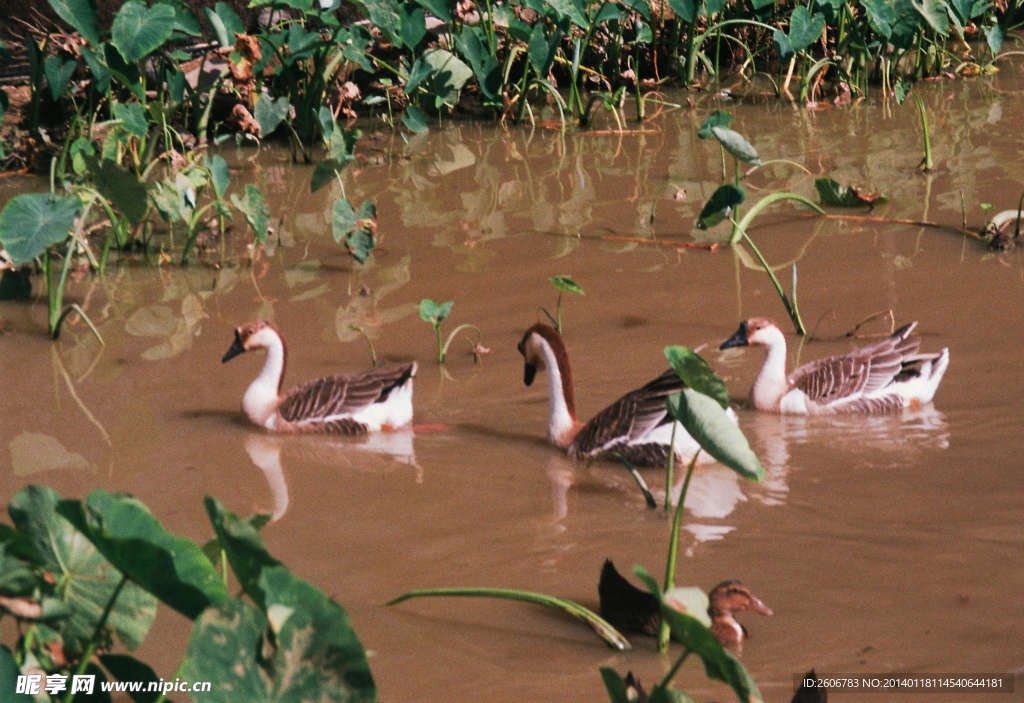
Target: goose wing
{"type": "Point", "coordinates": [630, 417]}
{"type": "Point", "coordinates": [838, 379]}
{"type": "Point", "coordinates": [333, 397]}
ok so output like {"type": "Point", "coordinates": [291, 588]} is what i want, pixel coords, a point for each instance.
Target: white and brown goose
{"type": "Point", "coordinates": [349, 404]}
{"type": "Point", "coordinates": [637, 425]}
{"type": "Point", "coordinates": [886, 376]}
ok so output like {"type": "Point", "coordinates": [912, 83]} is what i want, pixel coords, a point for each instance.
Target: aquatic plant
{"type": "Point", "coordinates": [435, 314]}
{"type": "Point", "coordinates": [901, 91]}
{"type": "Point", "coordinates": [564, 284]}
{"type": "Point", "coordinates": [76, 574]}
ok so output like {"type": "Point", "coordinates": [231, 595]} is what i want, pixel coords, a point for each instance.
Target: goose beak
{"type": "Point", "coordinates": [737, 340]}
{"type": "Point", "coordinates": [529, 372]}
{"type": "Point", "coordinates": [758, 607]}
{"type": "Point", "coordinates": [234, 351]}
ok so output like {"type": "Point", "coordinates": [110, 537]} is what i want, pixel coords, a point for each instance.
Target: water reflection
{"type": "Point", "coordinates": [309, 452]}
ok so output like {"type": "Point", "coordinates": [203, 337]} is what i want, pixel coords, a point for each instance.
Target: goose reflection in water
{"type": "Point", "coordinates": [265, 452]}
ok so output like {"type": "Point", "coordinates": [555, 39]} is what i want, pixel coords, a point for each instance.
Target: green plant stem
{"type": "Point", "coordinates": [451, 337]}
{"type": "Point", "coordinates": [604, 630]}
{"type": "Point", "coordinates": [673, 552]}
{"type": "Point", "coordinates": [924, 126]}
{"type": "Point", "coordinates": [360, 330]}
{"type": "Point", "coordinates": [440, 347]}
{"type": "Point", "coordinates": [675, 668]}
{"type": "Point", "coordinates": [651, 503]}
{"type": "Point", "coordinates": [95, 639]}
{"type": "Point", "coordinates": [669, 469]}
{"type": "Point", "coordinates": [790, 308]}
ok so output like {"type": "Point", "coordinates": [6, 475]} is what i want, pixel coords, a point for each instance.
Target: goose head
{"type": "Point", "coordinates": [757, 331]}
{"type": "Point", "coordinates": [542, 348]}
{"type": "Point", "coordinates": [254, 335]}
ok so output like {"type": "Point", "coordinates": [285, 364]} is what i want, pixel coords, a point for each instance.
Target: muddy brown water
{"type": "Point", "coordinates": [884, 544]}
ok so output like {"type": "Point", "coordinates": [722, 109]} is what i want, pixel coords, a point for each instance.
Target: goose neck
{"type": "Point", "coordinates": [771, 383]}
{"type": "Point", "coordinates": [562, 424]}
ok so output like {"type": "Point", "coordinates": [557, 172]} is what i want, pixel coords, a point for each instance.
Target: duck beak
{"type": "Point", "coordinates": [737, 340]}
{"type": "Point", "coordinates": [758, 607]}
{"type": "Point", "coordinates": [234, 351]}
{"type": "Point", "coordinates": [529, 372]}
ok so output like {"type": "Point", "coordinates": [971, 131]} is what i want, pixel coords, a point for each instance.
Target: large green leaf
{"type": "Point", "coordinates": [995, 35]}
{"type": "Point", "coordinates": [220, 174]}
{"type": "Point", "coordinates": [120, 186]}
{"type": "Point", "coordinates": [881, 16]}
{"type": "Point", "coordinates": [385, 17]}
{"type": "Point", "coordinates": [719, 664]}
{"type": "Point", "coordinates": [736, 144]}
{"type": "Point", "coordinates": [174, 569]}
{"type": "Point", "coordinates": [696, 374]}
{"type": "Point", "coordinates": [226, 650]}
{"type": "Point", "coordinates": [441, 74]}
{"type": "Point", "coordinates": [225, 23]}
{"type": "Point", "coordinates": [83, 15]}
{"type": "Point", "coordinates": [542, 48]}
{"type": "Point", "coordinates": [185, 20]}
{"type": "Point", "coordinates": [967, 10]}
{"type": "Point", "coordinates": [254, 208]}
{"type": "Point", "coordinates": [31, 223]}
{"type": "Point", "coordinates": [16, 576]}
{"type": "Point", "coordinates": [84, 580]}
{"type": "Point", "coordinates": [9, 673]}
{"type": "Point", "coordinates": [486, 68]}
{"type": "Point", "coordinates": [127, 668]}
{"type": "Point", "coordinates": [936, 14]}
{"type": "Point", "coordinates": [415, 119]}
{"type": "Point", "coordinates": [413, 25]}
{"type": "Point", "coordinates": [832, 193]}
{"type": "Point", "coordinates": [720, 204]}
{"type": "Point", "coordinates": [438, 8]}
{"type": "Point", "coordinates": [573, 11]}
{"type": "Point", "coordinates": [58, 72]}
{"type": "Point", "coordinates": [804, 28]}
{"type": "Point", "coordinates": [139, 30]}
{"type": "Point", "coordinates": [718, 118]}
{"type": "Point", "coordinates": [356, 228]}
{"type": "Point", "coordinates": [317, 655]}
{"type": "Point", "coordinates": [715, 432]}
{"type": "Point", "coordinates": [433, 312]}
{"type": "Point", "coordinates": [270, 113]}
{"type": "Point", "coordinates": [133, 117]}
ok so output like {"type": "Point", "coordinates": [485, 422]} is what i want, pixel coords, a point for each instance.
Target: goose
{"type": "Point", "coordinates": [631, 608]}
{"type": "Point", "coordinates": [636, 426]}
{"type": "Point", "coordinates": [348, 404]}
{"type": "Point", "coordinates": [886, 376]}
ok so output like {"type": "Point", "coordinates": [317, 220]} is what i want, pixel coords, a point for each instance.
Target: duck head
{"type": "Point", "coordinates": [757, 331]}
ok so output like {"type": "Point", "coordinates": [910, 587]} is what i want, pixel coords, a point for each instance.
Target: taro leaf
{"type": "Point", "coordinates": [139, 30]}
{"type": "Point", "coordinates": [270, 113]}
{"type": "Point", "coordinates": [434, 313]}
{"type": "Point", "coordinates": [900, 91]}
{"type": "Point", "coordinates": [342, 144]}
{"type": "Point", "coordinates": [438, 8]}
{"type": "Point", "coordinates": [100, 73]}
{"type": "Point", "coordinates": [220, 174]}
{"type": "Point", "coordinates": [9, 672]}
{"type": "Point", "coordinates": [58, 72]}
{"type": "Point", "coordinates": [607, 13]}
{"type": "Point", "coordinates": [120, 186]}
{"type": "Point", "coordinates": [720, 205]}
{"type": "Point", "coordinates": [686, 9]}
{"type": "Point", "coordinates": [573, 11]}
{"type": "Point", "coordinates": [127, 668]}
{"type": "Point", "coordinates": [936, 14]}
{"type": "Point", "coordinates": [542, 48]}
{"type": "Point", "coordinates": [566, 285]}
{"type": "Point", "coordinates": [301, 43]}
{"type": "Point", "coordinates": [225, 23]}
{"type": "Point", "coordinates": [995, 36]}
{"type": "Point", "coordinates": [967, 10]}
{"type": "Point", "coordinates": [830, 8]}
{"type": "Point", "coordinates": [906, 25]}
{"type": "Point", "coordinates": [172, 568]}
{"type": "Point", "coordinates": [710, 8]}
{"type": "Point", "coordinates": [804, 28]}
{"type": "Point", "coordinates": [441, 74]}
{"type": "Point", "coordinates": [385, 16]}
{"type": "Point", "coordinates": [85, 581]}
{"type": "Point", "coordinates": [254, 208]}
{"type": "Point", "coordinates": [881, 16]}
{"type": "Point", "coordinates": [831, 193]}
{"type": "Point", "coordinates": [133, 118]}
{"type": "Point", "coordinates": [614, 684]}
{"type": "Point", "coordinates": [414, 26]}
{"type": "Point", "coordinates": [16, 577]}
{"type": "Point", "coordinates": [486, 68]}
{"type": "Point", "coordinates": [718, 118]}
{"type": "Point", "coordinates": [640, 6]}
{"type": "Point", "coordinates": [715, 432]}
{"type": "Point", "coordinates": [326, 121]}
{"type": "Point", "coordinates": [344, 219]}
{"type": "Point", "coordinates": [696, 374]}
{"type": "Point", "coordinates": [185, 20]}
{"type": "Point", "coordinates": [212, 548]}
{"type": "Point", "coordinates": [83, 15]}
{"type": "Point", "coordinates": [736, 145]}
{"type": "Point", "coordinates": [225, 649]}
{"type": "Point", "coordinates": [362, 241]}
{"type": "Point", "coordinates": [719, 664]}
{"type": "Point", "coordinates": [415, 119]}
{"type": "Point", "coordinates": [317, 655]}
{"type": "Point", "coordinates": [644, 34]}
{"type": "Point", "coordinates": [783, 47]}
{"type": "Point", "coordinates": [31, 223]}
{"type": "Point", "coordinates": [324, 172]}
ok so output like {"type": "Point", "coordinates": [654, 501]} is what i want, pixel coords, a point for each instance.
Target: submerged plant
{"type": "Point", "coordinates": [901, 91]}
{"type": "Point", "coordinates": [564, 284]}
{"type": "Point", "coordinates": [435, 314]}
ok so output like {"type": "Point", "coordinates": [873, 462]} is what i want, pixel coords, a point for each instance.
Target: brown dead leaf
{"type": "Point", "coordinates": [241, 119]}
{"type": "Point", "coordinates": [21, 608]}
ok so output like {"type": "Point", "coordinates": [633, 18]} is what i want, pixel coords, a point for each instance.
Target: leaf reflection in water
{"type": "Point", "coordinates": [35, 452]}
{"type": "Point", "coordinates": [364, 309]}
{"type": "Point", "coordinates": [160, 321]}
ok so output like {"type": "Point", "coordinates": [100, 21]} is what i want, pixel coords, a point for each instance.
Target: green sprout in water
{"type": "Point", "coordinates": [360, 330]}
{"type": "Point", "coordinates": [435, 314]}
{"type": "Point", "coordinates": [564, 284]}
{"type": "Point", "coordinates": [901, 92]}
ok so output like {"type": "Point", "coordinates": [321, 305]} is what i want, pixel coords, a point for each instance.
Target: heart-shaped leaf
{"type": "Point", "coordinates": [433, 312]}
{"type": "Point", "coordinates": [566, 285]}
{"type": "Point", "coordinates": [120, 186]}
{"type": "Point", "coordinates": [83, 15]}
{"type": "Point", "coordinates": [270, 113]}
{"type": "Point", "coordinates": [31, 223]}
{"type": "Point", "coordinates": [133, 118]}
{"type": "Point", "coordinates": [804, 28]}
{"type": "Point", "coordinates": [415, 119]}
{"type": "Point", "coordinates": [720, 205]}
{"type": "Point", "coordinates": [718, 118]}
{"type": "Point", "coordinates": [58, 72]}
{"type": "Point", "coordinates": [139, 30]}
{"type": "Point", "coordinates": [697, 374]}
{"type": "Point", "coordinates": [715, 432]}
{"type": "Point", "coordinates": [254, 208]}
{"type": "Point", "coordinates": [736, 144]}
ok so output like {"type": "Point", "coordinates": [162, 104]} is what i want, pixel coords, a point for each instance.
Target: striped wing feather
{"type": "Point", "coordinates": [629, 418]}
{"type": "Point", "coordinates": [858, 373]}
{"type": "Point", "coordinates": [344, 394]}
